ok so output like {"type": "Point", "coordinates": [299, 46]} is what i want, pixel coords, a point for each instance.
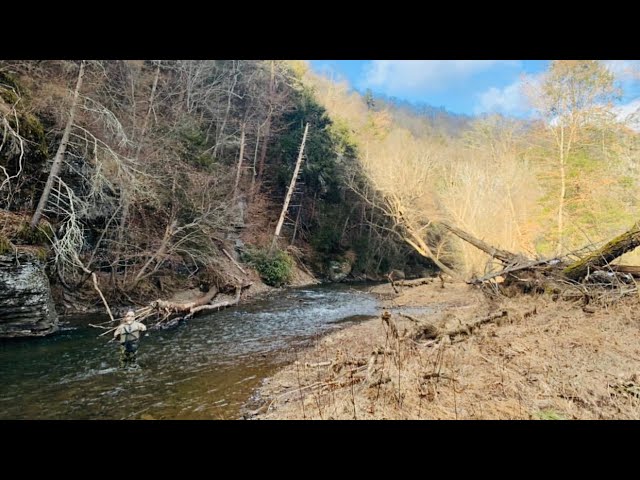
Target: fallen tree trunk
{"type": "Point", "coordinates": [216, 306]}
{"type": "Point", "coordinates": [468, 328]}
{"type": "Point", "coordinates": [170, 310]}
{"type": "Point", "coordinates": [104, 300]}
{"type": "Point", "coordinates": [234, 262]}
{"type": "Point", "coordinates": [514, 268]}
{"type": "Point", "coordinates": [414, 283]}
{"type": "Point", "coordinates": [426, 331]}
{"type": "Point", "coordinates": [632, 270]}
{"type": "Point", "coordinates": [186, 306]}
{"type": "Point", "coordinates": [539, 276]}
{"type": "Point", "coordinates": [502, 255]}
{"type": "Point", "coordinates": [618, 246]}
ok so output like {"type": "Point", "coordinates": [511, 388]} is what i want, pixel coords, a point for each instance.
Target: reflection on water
{"type": "Point", "coordinates": [205, 369]}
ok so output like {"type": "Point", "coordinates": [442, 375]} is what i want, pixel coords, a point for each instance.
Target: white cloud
{"type": "Point", "coordinates": [507, 100]}
{"type": "Point", "coordinates": [629, 108]}
{"type": "Point", "coordinates": [512, 98]}
{"type": "Point", "coordinates": [399, 76]}
{"type": "Point", "coordinates": [623, 70]}
{"type": "Point", "coordinates": [630, 113]}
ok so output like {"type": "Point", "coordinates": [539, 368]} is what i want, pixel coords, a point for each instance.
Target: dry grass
{"type": "Point", "coordinates": [11, 223]}
{"type": "Point", "coordinates": [560, 363]}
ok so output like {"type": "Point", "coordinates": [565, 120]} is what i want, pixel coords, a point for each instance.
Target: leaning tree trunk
{"type": "Point", "coordinates": [502, 255]}
{"type": "Point", "coordinates": [240, 156]}
{"type": "Point", "coordinates": [292, 187]}
{"type": "Point", "coordinates": [576, 271]}
{"type": "Point", "coordinates": [57, 161]}
{"type": "Point", "coordinates": [603, 256]}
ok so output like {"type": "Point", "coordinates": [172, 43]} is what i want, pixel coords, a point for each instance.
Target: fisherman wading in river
{"type": "Point", "coordinates": [128, 333]}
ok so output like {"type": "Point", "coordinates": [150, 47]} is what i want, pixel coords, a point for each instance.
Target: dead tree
{"type": "Point", "coordinates": [292, 187]}
{"type": "Point", "coordinates": [57, 160]}
{"type": "Point", "coordinates": [546, 275]}
{"type": "Point", "coordinates": [603, 256]}
{"type": "Point", "coordinates": [502, 255]}
{"type": "Point", "coordinates": [164, 311]}
{"type": "Point", "coordinates": [240, 157]}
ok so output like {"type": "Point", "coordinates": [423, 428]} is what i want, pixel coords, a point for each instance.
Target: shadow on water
{"type": "Point", "coordinates": [204, 369]}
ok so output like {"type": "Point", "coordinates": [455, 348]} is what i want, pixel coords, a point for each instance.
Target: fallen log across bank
{"type": "Point", "coordinates": [166, 312]}
{"type": "Point", "coordinates": [538, 275]}
{"type": "Point", "coordinates": [502, 255]}
{"type": "Point", "coordinates": [602, 257]}
{"type": "Point", "coordinates": [169, 311]}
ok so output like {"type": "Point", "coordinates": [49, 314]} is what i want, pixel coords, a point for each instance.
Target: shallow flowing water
{"type": "Point", "coordinates": [204, 369]}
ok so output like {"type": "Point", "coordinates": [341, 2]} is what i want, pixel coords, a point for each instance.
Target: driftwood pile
{"type": "Point", "coordinates": [162, 314]}
{"type": "Point", "coordinates": [590, 276]}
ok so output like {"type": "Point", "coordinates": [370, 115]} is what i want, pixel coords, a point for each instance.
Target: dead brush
{"type": "Point", "coordinates": [545, 359]}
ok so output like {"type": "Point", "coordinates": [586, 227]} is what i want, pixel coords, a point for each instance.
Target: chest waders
{"type": "Point", "coordinates": [129, 340]}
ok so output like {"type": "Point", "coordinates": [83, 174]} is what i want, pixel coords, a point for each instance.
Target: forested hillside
{"type": "Point", "coordinates": [564, 179]}
{"type": "Point", "coordinates": [147, 171]}
{"type": "Point", "coordinates": [141, 169]}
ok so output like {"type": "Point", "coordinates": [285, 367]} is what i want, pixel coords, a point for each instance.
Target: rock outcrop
{"type": "Point", "coordinates": [26, 305]}
{"type": "Point", "coordinates": [338, 271]}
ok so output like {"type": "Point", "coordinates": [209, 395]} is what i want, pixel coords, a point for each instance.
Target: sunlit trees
{"type": "Point", "coordinates": [488, 189]}
{"type": "Point", "coordinates": [570, 97]}
{"type": "Point", "coordinates": [402, 171]}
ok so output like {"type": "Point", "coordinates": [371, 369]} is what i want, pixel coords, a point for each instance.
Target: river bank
{"type": "Point", "coordinates": [543, 360]}
{"type": "Point", "coordinates": [177, 290]}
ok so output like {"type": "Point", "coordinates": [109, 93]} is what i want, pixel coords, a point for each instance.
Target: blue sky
{"type": "Point", "coordinates": [461, 86]}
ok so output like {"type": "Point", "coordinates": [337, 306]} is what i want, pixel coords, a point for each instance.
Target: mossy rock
{"type": "Point", "coordinates": [11, 89]}
{"type": "Point", "coordinates": [39, 235]}
{"type": "Point", "coordinates": [5, 245]}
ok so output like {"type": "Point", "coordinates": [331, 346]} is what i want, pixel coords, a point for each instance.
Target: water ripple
{"type": "Point", "coordinates": [205, 369]}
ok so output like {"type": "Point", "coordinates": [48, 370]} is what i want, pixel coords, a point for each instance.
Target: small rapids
{"type": "Point", "coordinates": [205, 369]}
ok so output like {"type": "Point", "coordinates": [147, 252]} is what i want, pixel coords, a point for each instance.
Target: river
{"type": "Point", "coordinates": [207, 368]}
